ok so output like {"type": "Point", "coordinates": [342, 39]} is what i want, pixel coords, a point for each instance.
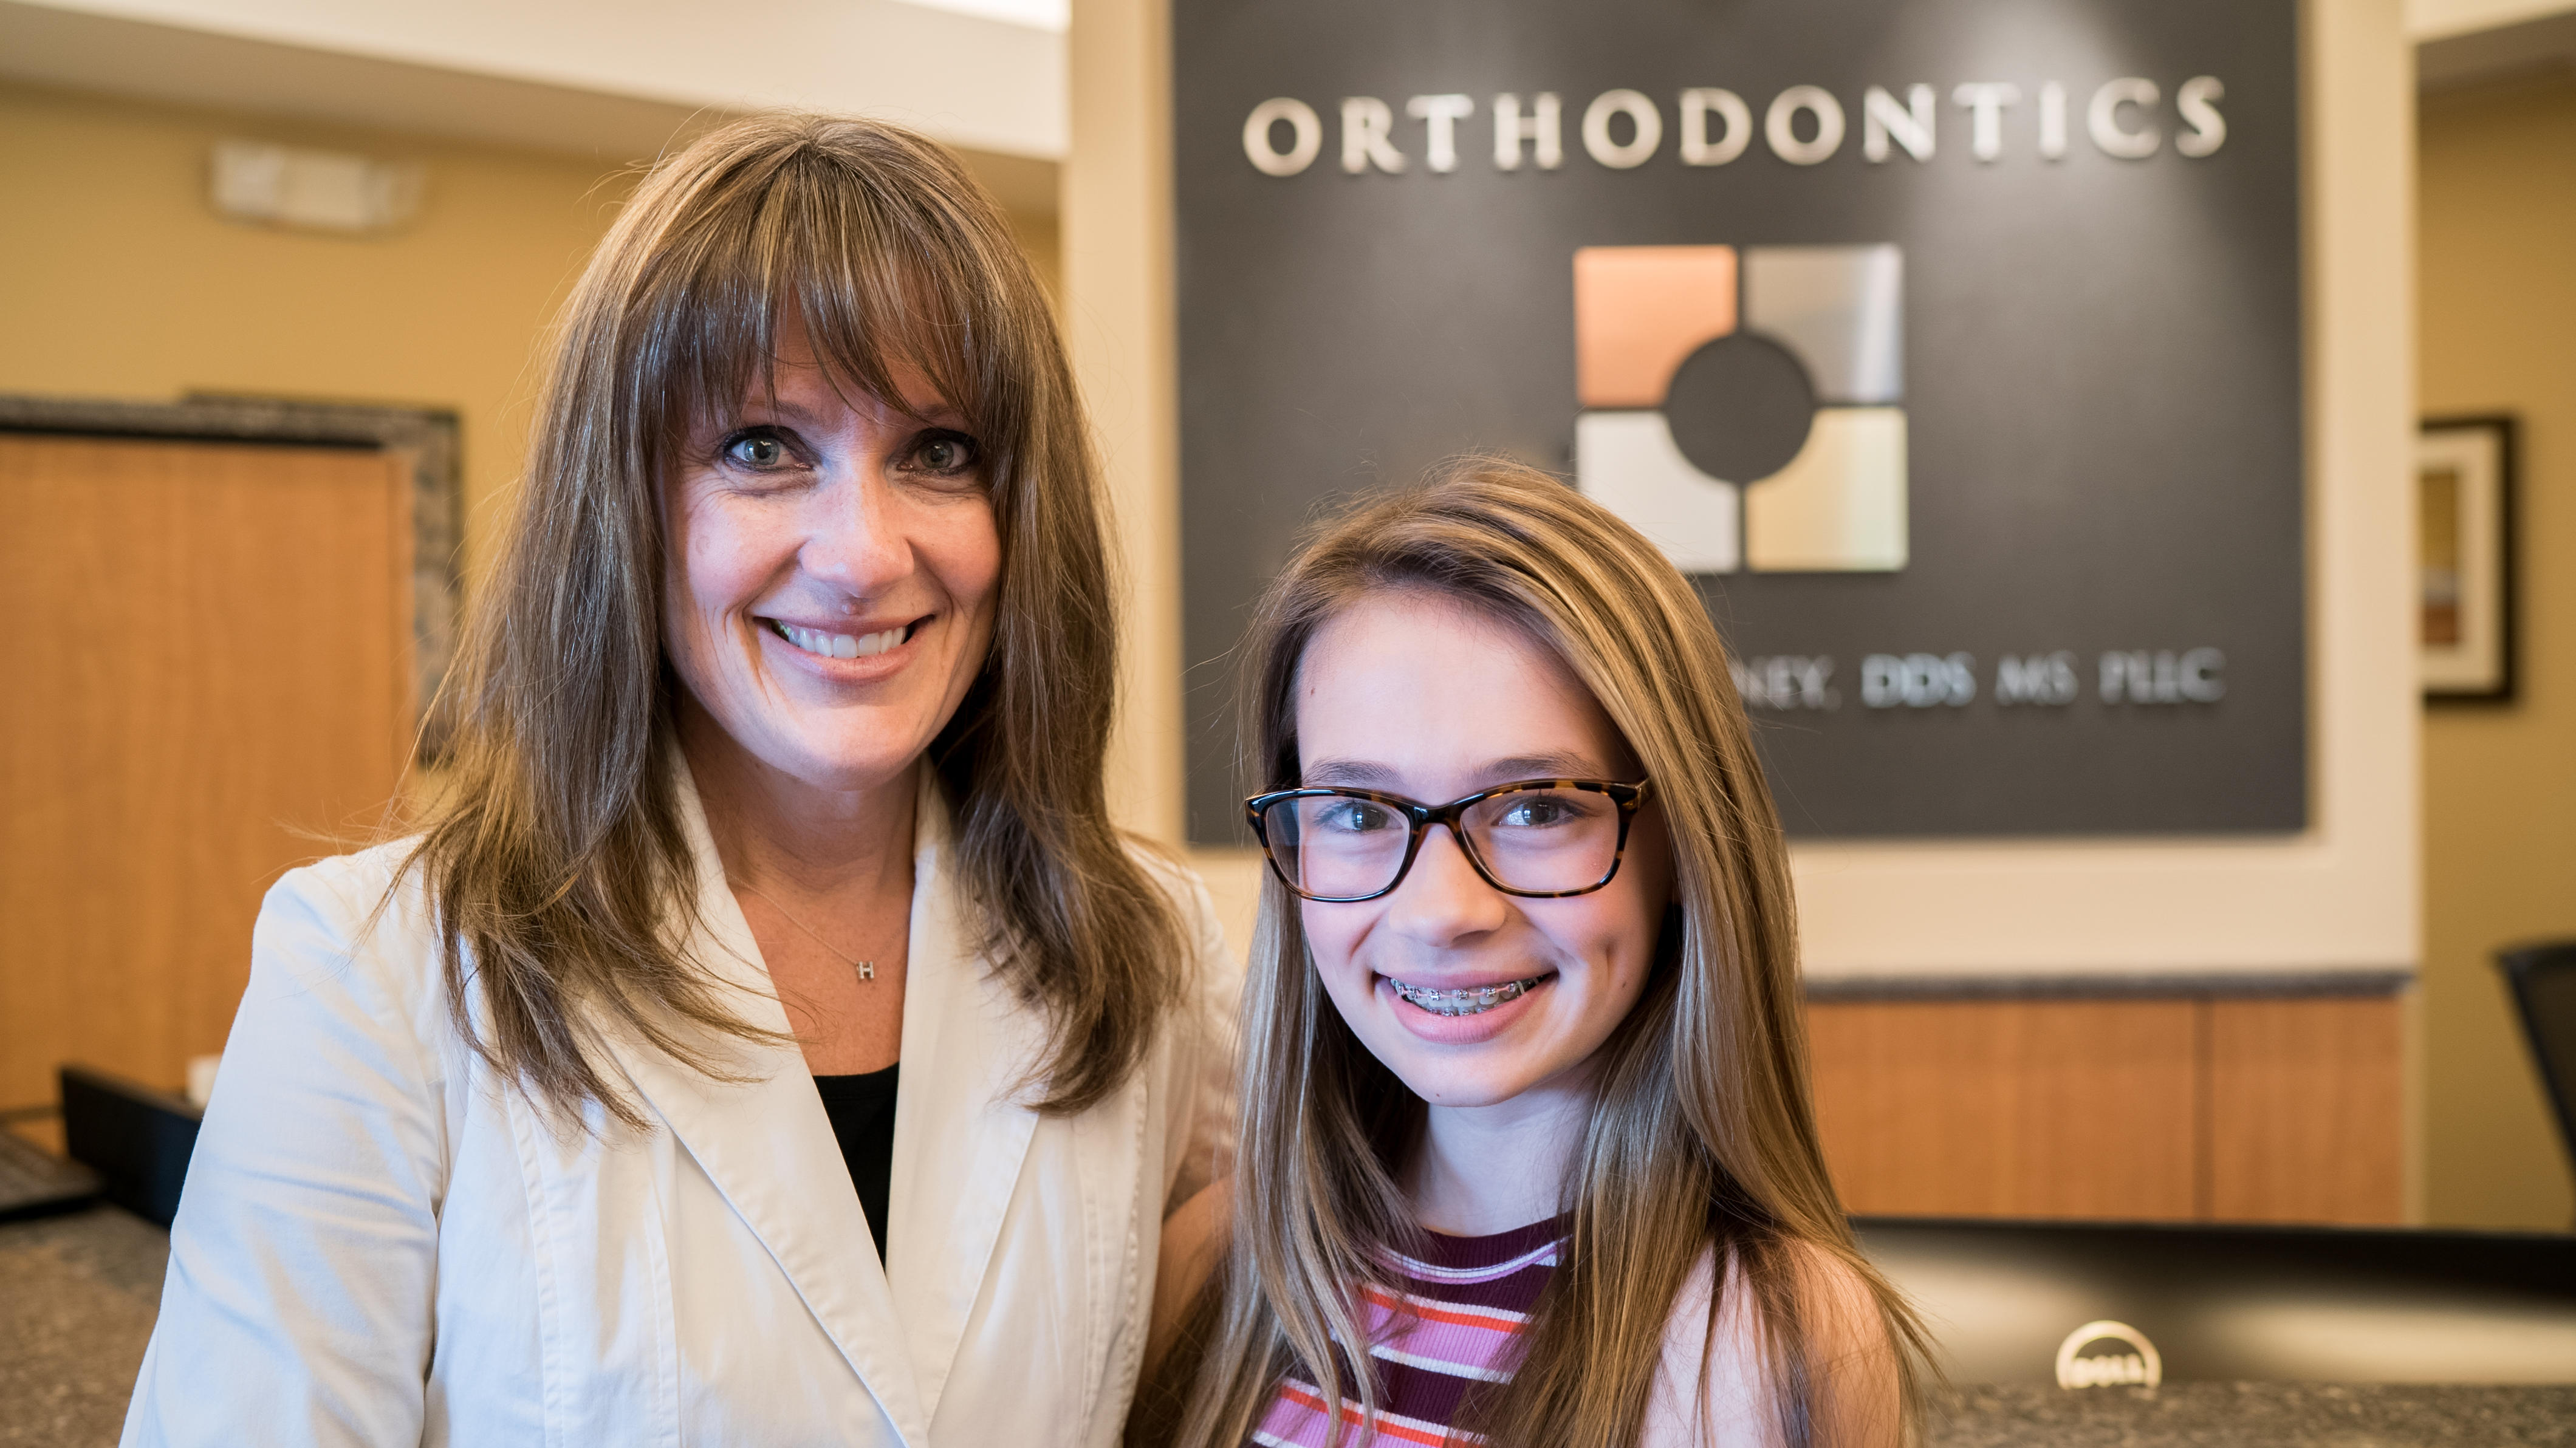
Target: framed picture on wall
{"type": "Point", "coordinates": [2465, 576]}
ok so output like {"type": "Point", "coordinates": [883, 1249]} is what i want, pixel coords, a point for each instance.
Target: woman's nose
{"type": "Point", "coordinates": [854, 534]}
{"type": "Point", "coordinates": [1443, 900]}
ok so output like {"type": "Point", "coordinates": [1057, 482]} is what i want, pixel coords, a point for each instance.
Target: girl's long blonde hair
{"type": "Point", "coordinates": [1702, 1137]}
{"type": "Point", "coordinates": [555, 860]}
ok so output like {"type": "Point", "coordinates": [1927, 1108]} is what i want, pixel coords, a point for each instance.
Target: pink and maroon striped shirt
{"type": "Point", "coordinates": [1456, 1322]}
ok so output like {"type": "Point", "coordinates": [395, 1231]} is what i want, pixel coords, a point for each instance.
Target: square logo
{"type": "Point", "coordinates": [1744, 408]}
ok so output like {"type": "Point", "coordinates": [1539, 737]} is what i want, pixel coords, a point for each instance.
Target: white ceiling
{"type": "Point", "coordinates": [607, 72]}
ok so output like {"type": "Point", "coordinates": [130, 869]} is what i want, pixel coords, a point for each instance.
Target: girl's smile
{"type": "Point", "coordinates": [1465, 1017]}
{"type": "Point", "coordinates": [1465, 1000]}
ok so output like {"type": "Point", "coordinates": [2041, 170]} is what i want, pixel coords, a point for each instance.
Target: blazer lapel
{"type": "Point", "coordinates": [959, 1136]}
{"type": "Point", "coordinates": [768, 1146]}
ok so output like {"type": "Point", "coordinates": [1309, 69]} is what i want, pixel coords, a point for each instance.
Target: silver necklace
{"type": "Point", "coordinates": [864, 969]}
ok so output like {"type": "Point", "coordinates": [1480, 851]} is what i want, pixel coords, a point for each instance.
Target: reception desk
{"type": "Point", "coordinates": [2247, 1098]}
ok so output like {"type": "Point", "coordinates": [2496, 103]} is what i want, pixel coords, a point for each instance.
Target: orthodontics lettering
{"type": "Point", "coordinates": [2125, 118]}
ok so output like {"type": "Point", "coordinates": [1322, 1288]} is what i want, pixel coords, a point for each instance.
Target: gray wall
{"type": "Point", "coordinates": [2102, 366]}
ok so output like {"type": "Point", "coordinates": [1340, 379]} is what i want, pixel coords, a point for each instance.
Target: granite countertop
{"type": "Point", "coordinates": [78, 1294]}
{"type": "Point", "coordinates": [2243, 1415]}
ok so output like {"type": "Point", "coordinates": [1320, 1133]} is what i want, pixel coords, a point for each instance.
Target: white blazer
{"type": "Point", "coordinates": [381, 1243]}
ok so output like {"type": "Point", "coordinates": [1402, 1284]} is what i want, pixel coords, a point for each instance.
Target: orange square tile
{"type": "Point", "coordinates": [1639, 311]}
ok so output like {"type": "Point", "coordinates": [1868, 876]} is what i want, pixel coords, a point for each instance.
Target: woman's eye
{"type": "Point", "coordinates": [758, 451]}
{"type": "Point", "coordinates": [945, 453]}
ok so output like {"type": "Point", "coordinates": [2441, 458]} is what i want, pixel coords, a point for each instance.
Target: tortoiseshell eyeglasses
{"type": "Point", "coordinates": [1537, 838]}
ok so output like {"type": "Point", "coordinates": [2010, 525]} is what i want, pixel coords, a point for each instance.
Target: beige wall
{"type": "Point", "coordinates": [2497, 189]}
{"type": "Point", "coordinates": [1116, 217]}
{"type": "Point", "coordinates": [118, 280]}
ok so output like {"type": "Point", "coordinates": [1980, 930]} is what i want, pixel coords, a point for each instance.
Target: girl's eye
{"type": "Point", "coordinates": [1538, 811]}
{"type": "Point", "coordinates": [946, 454]}
{"type": "Point", "coordinates": [1356, 817]}
{"type": "Point", "coordinates": [759, 451]}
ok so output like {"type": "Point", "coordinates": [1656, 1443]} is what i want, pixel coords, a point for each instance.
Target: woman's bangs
{"type": "Point", "coordinates": [896, 311]}
{"type": "Point", "coordinates": [879, 297]}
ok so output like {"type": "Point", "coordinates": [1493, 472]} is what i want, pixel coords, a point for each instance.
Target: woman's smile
{"type": "Point", "coordinates": [828, 645]}
{"type": "Point", "coordinates": [865, 652]}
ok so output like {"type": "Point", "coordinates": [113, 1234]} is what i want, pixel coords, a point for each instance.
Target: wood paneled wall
{"type": "Point", "coordinates": [2281, 1109]}
{"type": "Point", "coordinates": [209, 680]}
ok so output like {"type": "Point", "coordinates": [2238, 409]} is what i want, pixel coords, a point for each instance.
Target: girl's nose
{"type": "Point", "coordinates": [1443, 900]}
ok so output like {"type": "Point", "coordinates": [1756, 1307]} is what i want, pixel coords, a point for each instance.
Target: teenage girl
{"type": "Point", "coordinates": [1523, 1079]}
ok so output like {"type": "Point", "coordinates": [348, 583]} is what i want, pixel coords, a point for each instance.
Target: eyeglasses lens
{"type": "Point", "coordinates": [1543, 841]}
{"type": "Point", "coordinates": [1337, 845]}
{"type": "Point", "coordinates": [1546, 840]}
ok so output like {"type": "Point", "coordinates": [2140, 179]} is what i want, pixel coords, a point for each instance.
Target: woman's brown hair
{"type": "Point", "coordinates": [556, 860]}
{"type": "Point", "coordinates": [1701, 1142]}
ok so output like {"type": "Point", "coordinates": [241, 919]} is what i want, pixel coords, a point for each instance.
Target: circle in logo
{"type": "Point", "coordinates": [1740, 407]}
{"type": "Point", "coordinates": [2108, 1365]}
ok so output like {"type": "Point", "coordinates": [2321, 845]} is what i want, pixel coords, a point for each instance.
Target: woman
{"type": "Point", "coordinates": [575, 1119]}
{"type": "Point", "coordinates": [1523, 1083]}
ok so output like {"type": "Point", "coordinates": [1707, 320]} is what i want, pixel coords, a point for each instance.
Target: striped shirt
{"type": "Point", "coordinates": [1452, 1324]}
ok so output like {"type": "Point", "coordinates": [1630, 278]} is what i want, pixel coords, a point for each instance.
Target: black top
{"type": "Point", "coordinates": [862, 1112]}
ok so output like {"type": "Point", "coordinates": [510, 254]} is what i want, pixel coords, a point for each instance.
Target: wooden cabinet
{"type": "Point", "coordinates": [2191, 1108]}
{"type": "Point", "coordinates": [209, 660]}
